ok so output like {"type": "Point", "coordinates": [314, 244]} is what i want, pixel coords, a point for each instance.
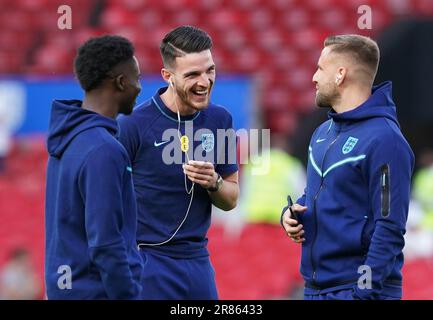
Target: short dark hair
{"type": "Point", "coordinates": [181, 41]}
{"type": "Point", "coordinates": [364, 50]}
{"type": "Point", "coordinates": [98, 56]}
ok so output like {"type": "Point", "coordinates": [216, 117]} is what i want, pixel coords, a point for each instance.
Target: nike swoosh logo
{"type": "Point", "coordinates": [320, 140]}
{"type": "Point", "coordinates": [157, 144]}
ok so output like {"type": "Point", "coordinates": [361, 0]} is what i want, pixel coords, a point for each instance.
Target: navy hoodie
{"type": "Point", "coordinates": [90, 209]}
{"type": "Point", "coordinates": [358, 186]}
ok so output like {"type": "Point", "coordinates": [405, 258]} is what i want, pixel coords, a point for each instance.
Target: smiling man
{"type": "Point", "coordinates": [175, 199]}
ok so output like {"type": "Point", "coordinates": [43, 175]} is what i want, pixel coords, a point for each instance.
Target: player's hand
{"type": "Point", "coordinates": [293, 230]}
{"type": "Point", "coordinates": [201, 172]}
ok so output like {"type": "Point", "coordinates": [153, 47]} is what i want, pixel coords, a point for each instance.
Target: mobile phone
{"type": "Point", "coordinates": [293, 214]}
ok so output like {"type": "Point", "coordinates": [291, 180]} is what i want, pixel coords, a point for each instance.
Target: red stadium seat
{"type": "Point", "coordinates": [261, 264]}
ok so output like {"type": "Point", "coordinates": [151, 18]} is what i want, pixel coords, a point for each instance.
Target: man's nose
{"type": "Point", "coordinates": [204, 80]}
{"type": "Point", "coordinates": [314, 79]}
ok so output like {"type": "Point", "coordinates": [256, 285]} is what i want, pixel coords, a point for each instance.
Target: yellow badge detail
{"type": "Point", "coordinates": [184, 141]}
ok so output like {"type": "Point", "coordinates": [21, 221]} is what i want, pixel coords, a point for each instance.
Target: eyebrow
{"type": "Point", "coordinates": [196, 72]}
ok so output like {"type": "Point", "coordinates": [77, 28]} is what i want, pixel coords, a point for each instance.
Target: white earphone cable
{"type": "Point", "coordinates": [190, 192]}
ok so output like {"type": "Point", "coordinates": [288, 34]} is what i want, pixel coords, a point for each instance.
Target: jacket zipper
{"type": "Point", "coordinates": [385, 192]}
{"type": "Point", "coordinates": [315, 207]}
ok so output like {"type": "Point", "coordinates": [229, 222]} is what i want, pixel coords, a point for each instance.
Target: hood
{"type": "Point", "coordinates": [68, 119]}
{"type": "Point", "coordinates": [379, 104]}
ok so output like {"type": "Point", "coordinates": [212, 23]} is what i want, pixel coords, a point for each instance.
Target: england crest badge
{"type": "Point", "coordinates": [349, 145]}
{"type": "Point", "coordinates": [207, 141]}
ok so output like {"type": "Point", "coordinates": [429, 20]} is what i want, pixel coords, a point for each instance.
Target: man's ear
{"type": "Point", "coordinates": [119, 82]}
{"type": "Point", "coordinates": [341, 75]}
{"type": "Point", "coordinates": [166, 75]}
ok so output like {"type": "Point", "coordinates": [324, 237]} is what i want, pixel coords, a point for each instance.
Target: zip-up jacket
{"type": "Point", "coordinates": [358, 185]}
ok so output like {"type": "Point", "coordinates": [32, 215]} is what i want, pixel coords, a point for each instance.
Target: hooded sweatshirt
{"type": "Point", "coordinates": [90, 210]}
{"type": "Point", "coordinates": [358, 186]}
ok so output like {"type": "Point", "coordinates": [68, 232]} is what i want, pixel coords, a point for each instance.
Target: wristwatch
{"type": "Point", "coordinates": [218, 184]}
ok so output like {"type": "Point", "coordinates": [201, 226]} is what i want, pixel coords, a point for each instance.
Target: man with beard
{"type": "Point", "coordinates": [352, 216]}
{"type": "Point", "coordinates": [181, 164]}
{"type": "Point", "coordinates": [90, 207]}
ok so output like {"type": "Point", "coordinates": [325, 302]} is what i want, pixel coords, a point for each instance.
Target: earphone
{"type": "Point", "coordinates": [190, 192]}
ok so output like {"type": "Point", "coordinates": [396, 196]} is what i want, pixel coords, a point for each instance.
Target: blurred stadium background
{"type": "Point", "coordinates": [266, 53]}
